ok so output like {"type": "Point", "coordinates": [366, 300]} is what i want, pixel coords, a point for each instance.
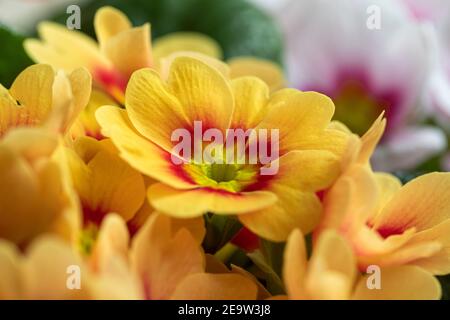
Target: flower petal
{"type": "Point", "coordinates": [204, 286]}
{"type": "Point", "coordinates": [250, 97]}
{"type": "Point", "coordinates": [108, 22]}
{"type": "Point", "coordinates": [266, 70]}
{"type": "Point", "coordinates": [298, 116]}
{"type": "Point", "coordinates": [63, 48]}
{"type": "Point", "coordinates": [33, 91]}
{"type": "Point", "coordinates": [203, 92]}
{"type": "Point", "coordinates": [186, 41]}
{"type": "Point", "coordinates": [400, 283]}
{"type": "Point", "coordinates": [10, 279]}
{"type": "Point", "coordinates": [332, 268]}
{"type": "Point", "coordinates": [407, 209]}
{"type": "Point", "coordinates": [184, 204]}
{"type": "Point", "coordinates": [140, 153]}
{"type": "Point", "coordinates": [294, 265]}
{"type": "Point", "coordinates": [126, 61]}
{"type": "Point", "coordinates": [161, 259]}
{"type": "Point", "coordinates": [294, 209]}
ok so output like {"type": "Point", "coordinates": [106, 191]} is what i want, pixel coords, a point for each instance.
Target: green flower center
{"type": "Point", "coordinates": [221, 172]}
{"type": "Point", "coordinates": [229, 177]}
{"type": "Point", "coordinates": [356, 108]}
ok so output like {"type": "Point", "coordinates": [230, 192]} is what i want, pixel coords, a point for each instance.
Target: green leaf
{"type": "Point", "coordinates": [219, 231]}
{"type": "Point", "coordinates": [445, 284]}
{"type": "Point", "coordinates": [273, 281]}
{"type": "Point", "coordinates": [13, 58]}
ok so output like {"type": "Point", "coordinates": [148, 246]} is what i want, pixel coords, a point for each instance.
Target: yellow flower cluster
{"type": "Point", "coordinates": [88, 184]}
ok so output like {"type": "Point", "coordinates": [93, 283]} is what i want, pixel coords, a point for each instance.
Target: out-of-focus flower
{"type": "Point", "coordinates": [387, 224]}
{"type": "Point", "coordinates": [331, 273]}
{"type": "Point", "coordinates": [41, 97]}
{"type": "Point", "coordinates": [111, 61]}
{"type": "Point", "coordinates": [171, 264]}
{"type": "Point", "coordinates": [104, 184]}
{"type": "Point", "coordinates": [391, 225]}
{"type": "Point", "coordinates": [36, 197]}
{"type": "Point", "coordinates": [269, 205]}
{"type": "Point", "coordinates": [337, 48]}
{"type": "Point", "coordinates": [51, 268]}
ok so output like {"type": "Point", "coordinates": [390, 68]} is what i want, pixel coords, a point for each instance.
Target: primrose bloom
{"type": "Point", "coordinates": [331, 273]}
{"type": "Point", "coordinates": [370, 57]}
{"type": "Point", "coordinates": [171, 265]}
{"type": "Point", "coordinates": [197, 97]}
{"type": "Point", "coordinates": [104, 182]}
{"type": "Point", "coordinates": [51, 268]}
{"type": "Point", "coordinates": [388, 224]}
{"type": "Point", "coordinates": [111, 62]}
{"type": "Point", "coordinates": [36, 197]}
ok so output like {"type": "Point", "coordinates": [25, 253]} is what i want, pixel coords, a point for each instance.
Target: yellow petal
{"type": "Point", "coordinates": [438, 263]}
{"type": "Point", "coordinates": [46, 270]}
{"type": "Point", "coordinates": [164, 64]}
{"type": "Point", "coordinates": [108, 22]}
{"type": "Point", "coordinates": [406, 209]}
{"type": "Point", "coordinates": [86, 124]}
{"type": "Point", "coordinates": [11, 286]}
{"type": "Point", "coordinates": [388, 186]}
{"type": "Point", "coordinates": [266, 70]}
{"type": "Point", "coordinates": [306, 170]}
{"type": "Point", "coordinates": [294, 266]}
{"type": "Point", "coordinates": [149, 101]}
{"type": "Point", "coordinates": [32, 89]}
{"type": "Point", "coordinates": [24, 192]}
{"type": "Point", "coordinates": [204, 286]}
{"type": "Point", "coordinates": [294, 209]}
{"type": "Point", "coordinates": [196, 227]}
{"type": "Point", "coordinates": [139, 152]}
{"type": "Point", "coordinates": [351, 200]}
{"type": "Point", "coordinates": [161, 259]}
{"type": "Point", "coordinates": [184, 204]}
{"type": "Point", "coordinates": [400, 283]}
{"type": "Point", "coordinates": [298, 116]}
{"type": "Point", "coordinates": [203, 92]}
{"type": "Point", "coordinates": [371, 138]}
{"type": "Point", "coordinates": [334, 260]}
{"type": "Point", "coordinates": [111, 184]}
{"type": "Point", "coordinates": [186, 41]}
{"type": "Point", "coordinates": [250, 97]}
{"type": "Point", "coordinates": [124, 59]}
{"type": "Point", "coordinates": [64, 48]}
{"type": "Point", "coordinates": [111, 243]}
{"type": "Point", "coordinates": [70, 95]}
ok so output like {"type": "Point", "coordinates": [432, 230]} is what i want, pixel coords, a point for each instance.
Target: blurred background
{"type": "Point", "coordinates": [369, 56]}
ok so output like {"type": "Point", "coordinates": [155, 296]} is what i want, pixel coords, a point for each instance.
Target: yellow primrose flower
{"type": "Point", "coordinates": [41, 97]}
{"type": "Point", "coordinates": [269, 205]}
{"type": "Point", "coordinates": [111, 62]}
{"type": "Point", "coordinates": [121, 49]}
{"type": "Point", "coordinates": [389, 224]}
{"type": "Point", "coordinates": [50, 268]}
{"type": "Point", "coordinates": [104, 184]}
{"type": "Point", "coordinates": [35, 196]}
{"type": "Point", "coordinates": [331, 273]}
{"type": "Point", "coordinates": [171, 265]}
